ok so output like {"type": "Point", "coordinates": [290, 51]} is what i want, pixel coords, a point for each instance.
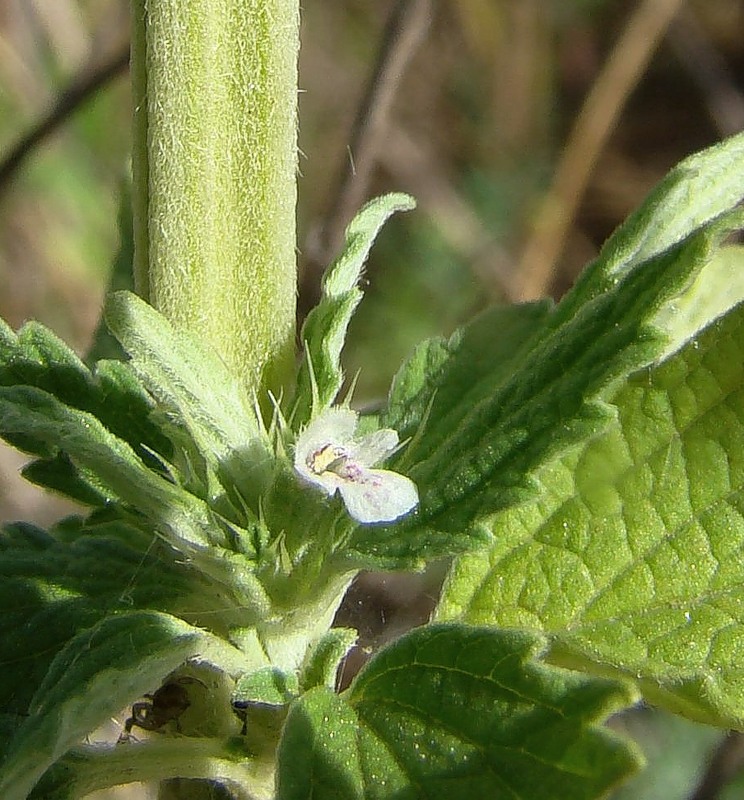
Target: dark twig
{"type": "Point", "coordinates": [727, 760]}
{"type": "Point", "coordinates": [84, 86]}
{"type": "Point", "coordinates": [404, 31]}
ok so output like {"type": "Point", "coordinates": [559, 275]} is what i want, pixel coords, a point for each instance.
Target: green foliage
{"type": "Point", "coordinates": [581, 462]}
{"type": "Point", "coordinates": [455, 711]}
{"type": "Point", "coordinates": [323, 335]}
{"type": "Point", "coordinates": [57, 584]}
{"type": "Point", "coordinates": [629, 557]}
{"type": "Point", "coordinates": [90, 679]}
{"type": "Point", "coordinates": [479, 448]}
{"type": "Point", "coordinates": [35, 357]}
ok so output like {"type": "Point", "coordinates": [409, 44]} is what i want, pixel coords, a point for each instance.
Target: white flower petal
{"type": "Point", "coordinates": [378, 495]}
{"type": "Point", "coordinates": [334, 427]}
{"type": "Point", "coordinates": [374, 447]}
{"type": "Point", "coordinates": [328, 457]}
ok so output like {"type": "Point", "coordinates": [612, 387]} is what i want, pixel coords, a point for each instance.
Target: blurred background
{"type": "Point", "coordinates": [526, 129]}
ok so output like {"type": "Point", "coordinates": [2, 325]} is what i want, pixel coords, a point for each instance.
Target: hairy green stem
{"type": "Point", "coordinates": [214, 161]}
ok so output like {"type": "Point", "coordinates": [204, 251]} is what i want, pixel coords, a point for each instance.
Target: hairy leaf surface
{"type": "Point", "coordinates": [454, 711]}
{"type": "Point", "coordinates": [480, 448]}
{"type": "Point", "coordinates": [323, 334]}
{"type": "Point", "coordinates": [95, 675]}
{"type": "Point", "coordinates": [631, 557]}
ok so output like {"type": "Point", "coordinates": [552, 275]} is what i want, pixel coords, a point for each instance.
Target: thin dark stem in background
{"type": "Point", "coordinates": [404, 32]}
{"type": "Point", "coordinates": [725, 763]}
{"type": "Point", "coordinates": [82, 88]}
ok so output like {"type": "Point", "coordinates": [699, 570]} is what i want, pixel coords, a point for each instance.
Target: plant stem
{"type": "Point", "coordinates": [214, 158]}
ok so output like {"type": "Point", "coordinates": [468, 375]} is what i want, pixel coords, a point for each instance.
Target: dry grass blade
{"type": "Point", "coordinates": [596, 120]}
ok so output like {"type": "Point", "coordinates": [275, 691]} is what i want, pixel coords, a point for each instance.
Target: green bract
{"type": "Point", "coordinates": [580, 465]}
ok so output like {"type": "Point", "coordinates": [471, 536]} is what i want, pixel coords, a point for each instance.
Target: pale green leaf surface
{"type": "Point", "coordinates": [717, 289]}
{"type": "Point", "coordinates": [477, 458]}
{"type": "Point", "coordinates": [192, 382]}
{"type": "Point", "coordinates": [630, 558]}
{"type": "Point", "coordinates": [95, 675]}
{"type": "Point", "coordinates": [454, 711]}
{"type": "Point", "coordinates": [699, 189]}
{"type": "Point", "coordinates": [324, 332]}
{"type": "Point", "coordinates": [319, 751]}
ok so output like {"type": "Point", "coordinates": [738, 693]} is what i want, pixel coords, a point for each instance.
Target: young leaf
{"type": "Point", "coordinates": [93, 677]}
{"type": "Point", "coordinates": [629, 559]}
{"type": "Point", "coordinates": [36, 357]}
{"type": "Point", "coordinates": [324, 331]}
{"type": "Point", "coordinates": [451, 711]}
{"type": "Point", "coordinates": [192, 383]}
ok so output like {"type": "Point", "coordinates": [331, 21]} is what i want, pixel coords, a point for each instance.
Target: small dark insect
{"type": "Point", "coordinates": [158, 709]}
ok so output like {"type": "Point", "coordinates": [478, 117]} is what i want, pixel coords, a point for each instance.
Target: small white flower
{"type": "Point", "coordinates": [329, 457]}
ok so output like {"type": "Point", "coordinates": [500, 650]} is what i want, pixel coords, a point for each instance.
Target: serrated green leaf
{"type": "Point", "coordinates": [216, 546]}
{"type": "Point", "coordinates": [698, 190]}
{"type": "Point", "coordinates": [36, 357]}
{"type": "Point", "coordinates": [193, 384]}
{"type": "Point", "coordinates": [95, 675]}
{"type": "Point", "coordinates": [34, 413]}
{"type": "Point", "coordinates": [480, 455]}
{"type": "Point", "coordinates": [50, 590]}
{"type": "Point", "coordinates": [452, 711]}
{"type": "Point", "coordinates": [553, 402]}
{"type": "Point", "coordinates": [630, 557]}
{"type": "Point", "coordinates": [324, 332]}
